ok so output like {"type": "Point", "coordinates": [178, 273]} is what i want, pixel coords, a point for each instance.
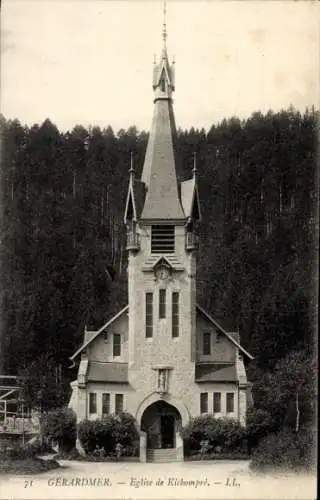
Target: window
{"type": "Point", "coordinates": [216, 402]}
{"type": "Point", "coordinates": [162, 239]}
{"type": "Point", "coordinates": [149, 314]}
{"type": "Point", "coordinates": [106, 337]}
{"type": "Point", "coordinates": [230, 402]}
{"type": "Point", "coordinates": [105, 404]}
{"type": "Point", "coordinates": [204, 402]}
{"type": "Point", "coordinates": [207, 343]}
{"type": "Point", "coordinates": [162, 303]}
{"type": "Point", "coordinates": [92, 402]}
{"type": "Point", "coordinates": [116, 344]}
{"type": "Point", "coordinates": [119, 403]}
{"type": "Point", "coordinates": [175, 314]}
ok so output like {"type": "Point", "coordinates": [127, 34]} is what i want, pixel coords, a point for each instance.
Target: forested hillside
{"type": "Point", "coordinates": [63, 257]}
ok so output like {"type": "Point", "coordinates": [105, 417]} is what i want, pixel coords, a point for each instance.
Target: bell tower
{"type": "Point", "coordinates": [161, 219]}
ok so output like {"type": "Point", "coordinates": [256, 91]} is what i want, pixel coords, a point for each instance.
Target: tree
{"type": "Point", "coordinates": [43, 386]}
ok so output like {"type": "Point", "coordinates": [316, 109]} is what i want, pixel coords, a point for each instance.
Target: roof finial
{"type": "Point", "coordinates": [194, 170]}
{"type": "Point", "coordinates": [131, 170]}
{"type": "Point", "coordinates": [164, 30]}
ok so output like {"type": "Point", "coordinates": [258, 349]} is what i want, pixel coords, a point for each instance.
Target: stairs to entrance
{"type": "Point", "coordinates": [162, 455]}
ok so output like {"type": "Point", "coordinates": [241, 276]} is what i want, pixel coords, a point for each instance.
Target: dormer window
{"type": "Point", "coordinates": [162, 239]}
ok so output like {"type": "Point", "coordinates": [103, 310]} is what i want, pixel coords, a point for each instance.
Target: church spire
{"type": "Point", "coordinates": [159, 170]}
{"type": "Point", "coordinates": [164, 30]}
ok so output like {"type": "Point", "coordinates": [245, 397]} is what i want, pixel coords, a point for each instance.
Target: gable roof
{"type": "Point", "coordinates": [108, 323]}
{"type": "Point", "coordinates": [126, 309]}
{"type": "Point", "coordinates": [222, 330]}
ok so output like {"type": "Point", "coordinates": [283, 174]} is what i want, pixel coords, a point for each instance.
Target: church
{"type": "Point", "coordinates": [162, 358]}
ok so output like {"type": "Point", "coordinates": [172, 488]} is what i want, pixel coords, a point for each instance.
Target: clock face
{"type": "Point", "coordinates": [162, 273]}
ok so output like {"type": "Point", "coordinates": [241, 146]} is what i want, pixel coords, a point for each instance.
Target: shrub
{"type": "Point", "coordinates": [96, 434]}
{"type": "Point", "coordinates": [126, 434]}
{"type": "Point", "coordinates": [197, 430]}
{"type": "Point", "coordinates": [222, 434]}
{"type": "Point", "coordinates": [60, 426]}
{"type": "Point", "coordinates": [102, 436]}
{"type": "Point", "coordinates": [260, 423]}
{"type": "Point", "coordinates": [285, 450]}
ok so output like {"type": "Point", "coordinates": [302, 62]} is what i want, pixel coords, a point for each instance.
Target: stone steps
{"type": "Point", "coordinates": [162, 455]}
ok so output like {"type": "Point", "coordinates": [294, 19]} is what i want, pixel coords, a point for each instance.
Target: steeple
{"type": "Point", "coordinates": [159, 170]}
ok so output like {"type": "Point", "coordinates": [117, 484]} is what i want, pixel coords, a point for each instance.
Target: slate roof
{"type": "Point", "coordinates": [139, 190]}
{"type": "Point", "coordinates": [107, 372]}
{"type": "Point", "coordinates": [159, 172]}
{"type": "Point", "coordinates": [215, 372]}
{"type": "Point", "coordinates": [190, 199]}
{"type": "Point", "coordinates": [172, 260]}
{"type": "Point", "coordinates": [187, 188]}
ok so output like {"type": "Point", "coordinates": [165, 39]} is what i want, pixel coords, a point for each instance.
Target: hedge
{"type": "Point", "coordinates": [221, 435]}
{"type": "Point", "coordinates": [102, 436]}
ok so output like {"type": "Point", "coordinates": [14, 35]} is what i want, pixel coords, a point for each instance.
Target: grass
{"type": "Point", "coordinates": [30, 465]}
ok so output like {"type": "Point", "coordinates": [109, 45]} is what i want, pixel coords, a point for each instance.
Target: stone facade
{"type": "Point", "coordinates": [162, 358]}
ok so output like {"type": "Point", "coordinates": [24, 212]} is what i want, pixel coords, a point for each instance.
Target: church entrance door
{"type": "Point", "coordinates": [167, 431]}
{"type": "Point", "coordinates": [160, 421]}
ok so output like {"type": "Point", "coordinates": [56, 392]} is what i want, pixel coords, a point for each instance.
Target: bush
{"type": "Point", "coordinates": [101, 436]}
{"type": "Point", "coordinates": [285, 450]}
{"type": "Point", "coordinates": [223, 435]}
{"type": "Point", "coordinates": [95, 434]}
{"type": "Point", "coordinates": [260, 423]}
{"type": "Point", "coordinates": [60, 426]}
{"type": "Point", "coordinates": [228, 435]}
{"type": "Point", "coordinates": [126, 434]}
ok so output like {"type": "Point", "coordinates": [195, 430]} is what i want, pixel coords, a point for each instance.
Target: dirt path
{"type": "Point", "coordinates": [194, 480]}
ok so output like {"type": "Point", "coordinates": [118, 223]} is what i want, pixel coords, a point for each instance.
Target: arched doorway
{"type": "Point", "coordinates": [161, 422]}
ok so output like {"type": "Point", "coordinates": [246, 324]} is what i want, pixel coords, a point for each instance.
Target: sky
{"type": "Point", "coordinates": [90, 62]}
